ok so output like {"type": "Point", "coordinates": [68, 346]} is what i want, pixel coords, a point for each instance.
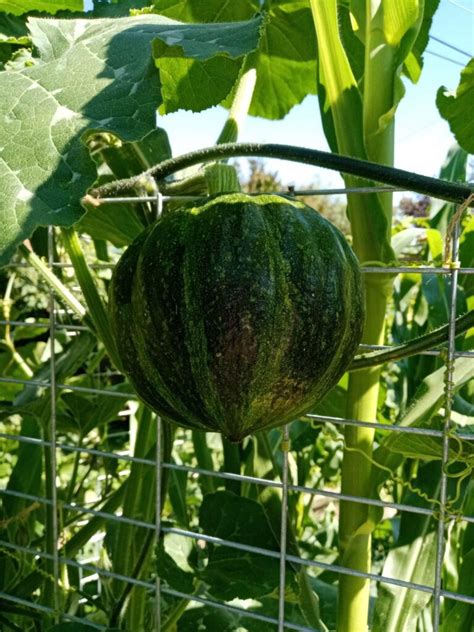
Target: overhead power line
{"type": "Point", "coordinates": [459, 50]}
{"type": "Point", "coordinates": [453, 61]}
{"type": "Point", "coordinates": [460, 6]}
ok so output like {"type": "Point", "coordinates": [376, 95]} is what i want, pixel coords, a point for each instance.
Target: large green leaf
{"type": "Point", "coordinates": [18, 7]}
{"type": "Point", "coordinates": [201, 72]}
{"type": "Point", "coordinates": [94, 75]}
{"type": "Point", "coordinates": [208, 11]}
{"type": "Point", "coordinates": [285, 60]}
{"type": "Point", "coordinates": [457, 108]}
{"type": "Point", "coordinates": [231, 573]}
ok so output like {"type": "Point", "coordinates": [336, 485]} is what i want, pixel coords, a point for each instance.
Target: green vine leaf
{"type": "Point", "coordinates": [231, 573]}
{"type": "Point", "coordinates": [457, 108]}
{"type": "Point", "coordinates": [285, 59]}
{"type": "Point", "coordinates": [200, 71]}
{"type": "Point", "coordinates": [92, 75]}
{"type": "Point", "coordinates": [18, 7]}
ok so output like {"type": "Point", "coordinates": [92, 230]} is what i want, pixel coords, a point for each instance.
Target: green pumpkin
{"type": "Point", "coordinates": [237, 314]}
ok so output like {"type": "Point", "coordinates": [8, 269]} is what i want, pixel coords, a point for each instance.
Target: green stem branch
{"type": "Point", "coordinates": [449, 191]}
{"type": "Point", "coordinates": [422, 343]}
{"type": "Point", "coordinates": [240, 107]}
{"type": "Point", "coordinates": [53, 281]}
{"type": "Point", "coordinates": [94, 302]}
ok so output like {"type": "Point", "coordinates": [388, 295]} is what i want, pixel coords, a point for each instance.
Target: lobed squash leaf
{"type": "Point", "coordinates": [456, 108]}
{"type": "Point", "coordinates": [285, 59]}
{"type": "Point", "coordinates": [232, 573]}
{"type": "Point", "coordinates": [18, 7]}
{"type": "Point", "coordinates": [92, 75]}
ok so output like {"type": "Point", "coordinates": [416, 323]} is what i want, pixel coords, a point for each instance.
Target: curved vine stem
{"type": "Point", "coordinates": [422, 343]}
{"type": "Point", "coordinates": [449, 191]}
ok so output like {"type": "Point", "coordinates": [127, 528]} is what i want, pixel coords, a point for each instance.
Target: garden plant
{"type": "Point", "coordinates": [79, 126]}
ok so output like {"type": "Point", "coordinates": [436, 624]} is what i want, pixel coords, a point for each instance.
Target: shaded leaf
{"type": "Point", "coordinates": [431, 448]}
{"type": "Point", "coordinates": [13, 30]}
{"type": "Point", "coordinates": [117, 223]}
{"type": "Point", "coordinates": [92, 411]}
{"type": "Point", "coordinates": [130, 159]}
{"type": "Point", "coordinates": [430, 395]}
{"type": "Point", "coordinates": [208, 619]}
{"type": "Point", "coordinates": [454, 170]}
{"type": "Point", "coordinates": [172, 573]}
{"type": "Point", "coordinates": [77, 627]}
{"type": "Point", "coordinates": [230, 572]}
{"type": "Point", "coordinates": [177, 495]}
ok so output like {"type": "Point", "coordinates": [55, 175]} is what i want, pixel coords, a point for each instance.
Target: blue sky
{"type": "Point", "coordinates": [422, 137]}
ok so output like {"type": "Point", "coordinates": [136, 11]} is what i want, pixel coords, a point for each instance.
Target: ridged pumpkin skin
{"type": "Point", "coordinates": [237, 314]}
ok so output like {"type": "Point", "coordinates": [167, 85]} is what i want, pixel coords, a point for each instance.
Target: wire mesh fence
{"type": "Point", "coordinates": [51, 555]}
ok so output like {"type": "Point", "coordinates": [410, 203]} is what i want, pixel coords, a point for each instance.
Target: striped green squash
{"type": "Point", "coordinates": [237, 314]}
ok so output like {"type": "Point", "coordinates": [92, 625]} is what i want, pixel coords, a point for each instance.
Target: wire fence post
{"type": "Point", "coordinates": [53, 509]}
{"type": "Point", "coordinates": [285, 448]}
{"type": "Point", "coordinates": [453, 263]}
{"type": "Point", "coordinates": [159, 473]}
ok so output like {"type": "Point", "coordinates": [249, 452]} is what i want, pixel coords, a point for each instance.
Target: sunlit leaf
{"type": "Point", "coordinates": [456, 108]}
{"type": "Point", "coordinates": [200, 71]}
{"type": "Point", "coordinates": [18, 7]}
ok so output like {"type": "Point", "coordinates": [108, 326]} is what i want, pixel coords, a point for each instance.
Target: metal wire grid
{"type": "Point", "coordinates": [442, 515]}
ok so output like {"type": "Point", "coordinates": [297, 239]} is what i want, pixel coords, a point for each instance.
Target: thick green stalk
{"type": "Point", "coordinates": [61, 290]}
{"type": "Point", "coordinates": [240, 107]}
{"type": "Point", "coordinates": [204, 460]}
{"type": "Point", "coordinates": [231, 465]}
{"type": "Point", "coordinates": [343, 105]}
{"type": "Point", "coordinates": [354, 531]}
{"type": "Point", "coordinates": [139, 502]}
{"type": "Point", "coordinates": [50, 592]}
{"type": "Point", "coordinates": [94, 302]}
